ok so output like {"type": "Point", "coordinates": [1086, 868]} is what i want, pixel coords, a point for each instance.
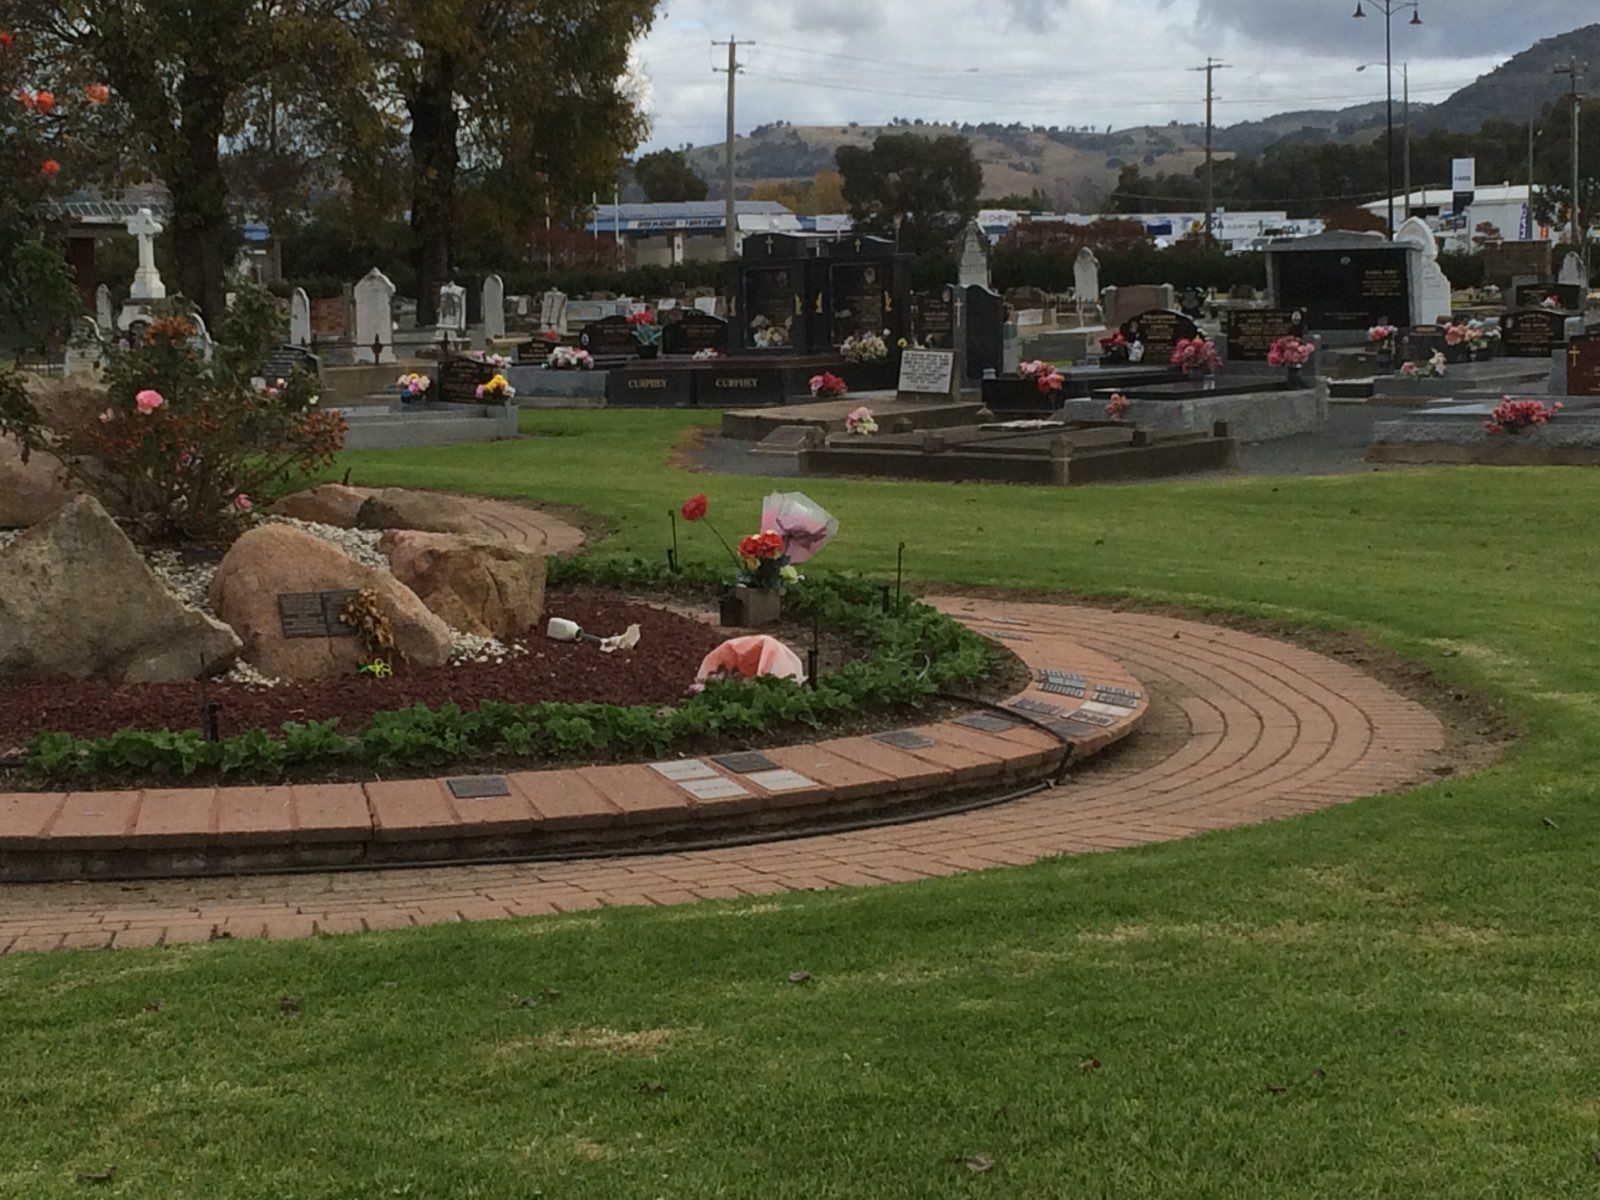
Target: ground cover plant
{"type": "Point", "coordinates": [1391, 998]}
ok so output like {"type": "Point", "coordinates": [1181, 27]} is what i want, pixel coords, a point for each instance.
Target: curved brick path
{"type": "Point", "coordinates": [1246, 729]}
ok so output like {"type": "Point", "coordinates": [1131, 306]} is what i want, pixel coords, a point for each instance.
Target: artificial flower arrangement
{"type": "Point", "coordinates": [860, 421]}
{"type": "Point", "coordinates": [1432, 369]}
{"type": "Point", "coordinates": [708, 352]}
{"type": "Point", "coordinates": [1290, 352]}
{"type": "Point", "coordinates": [1382, 335]}
{"type": "Point", "coordinates": [768, 336]}
{"type": "Point", "coordinates": [569, 358]}
{"type": "Point", "coordinates": [413, 385]}
{"type": "Point", "coordinates": [1196, 354]}
{"type": "Point", "coordinates": [646, 329]}
{"type": "Point", "coordinates": [1044, 375]}
{"type": "Point", "coordinates": [497, 390]}
{"type": "Point", "coordinates": [827, 386]}
{"type": "Point", "coordinates": [1553, 303]}
{"type": "Point", "coordinates": [1117, 407]}
{"type": "Point", "coordinates": [1115, 346]}
{"type": "Point", "coordinates": [1474, 336]}
{"type": "Point", "coordinates": [498, 361]}
{"type": "Point", "coordinates": [1513, 416]}
{"type": "Point", "coordinates": [864, 348]}
{"type": "Point", "coordinates": [793, 529]}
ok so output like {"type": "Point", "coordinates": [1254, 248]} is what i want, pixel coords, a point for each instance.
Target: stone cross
{"type": "Point", "coordinates": [147, 283]}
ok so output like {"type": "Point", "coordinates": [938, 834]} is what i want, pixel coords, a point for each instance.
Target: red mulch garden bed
{"type": "Point", "coordinates": [657, 671]}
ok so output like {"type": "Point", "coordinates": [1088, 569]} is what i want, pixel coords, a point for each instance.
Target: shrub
{"type": "Point", "coordinates": [186, 447]}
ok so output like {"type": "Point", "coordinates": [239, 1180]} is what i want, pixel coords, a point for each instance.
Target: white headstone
{"type": "Point", "coordinates": [1086, 276]}
{"type": "Point", "coordinates": [1430, 286]}
{"type": "Point", "coordinates": [452, 309]}
{"type": "Point", "coordinates": [494, 307]}
{"type": "Point", "coordinates": [83, 347]}
{"type": "Point", "coordinates": [927, 373]}
{"type": "Point", "coordinates": [299, 318]}
{"type": "Point", "coordinates": [973, 266]}
{"type": "Point", "coordinates": [374, 319]}
{"type": "Point", "coordinates": [1572, 272]}
{"type": "Point", "coordinates": [103, 315]}
{"type": "Point", "coordinates": [147, 283]}
{"type": "Point", "coordinates": [200, 343]}
{"type": "Point", "coordinates": [708, 305]}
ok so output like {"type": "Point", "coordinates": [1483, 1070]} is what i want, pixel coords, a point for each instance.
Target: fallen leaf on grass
{"type": "Point", "coordinates": [97, 1176]}
{"type": "Point", "coordinates": [153, 1006]}
{"type": "Point", "coordinates": [289, 1006]}
{"type": "Point", "coordinates": [1277, 1089]}
{"type": "Point", "coordinates": [1089, 1064]}
{"type": "Point", "coordinates": [1549, 824]}
{"type": "Point", "coordinates": [653, 1087]}
{"type": "Point", "coordinates": [978, 1163]}
{"type": "Point", "coordinates": [799, 976]}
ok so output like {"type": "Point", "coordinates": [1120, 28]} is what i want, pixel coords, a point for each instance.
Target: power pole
{"type": "Point", "coordinates": [730, 208]}
{"type": "Point", "coordinates": [1574, 72]}
{"type": "Point", "coordinates": [1211, 68]}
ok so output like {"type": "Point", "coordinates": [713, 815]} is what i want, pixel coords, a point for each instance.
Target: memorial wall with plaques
{"type": "Point", "coordinates": [806, 295]}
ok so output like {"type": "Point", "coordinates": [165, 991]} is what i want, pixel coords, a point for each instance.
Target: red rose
{"type": "Point", "coordinates": [748, 547]}
{"type": "Point", "coordinates": [45, 102]}
{"type": "Point", "coordinates": [769, 545]}
{"type": "Point", "coordinates": [98, 93]}
{"type": "Point", "coordinates": [695, 507]}
{"type": "Point", "coordinates": [5, 40]}
{"type": "Point", "coordinates": [50, 168]}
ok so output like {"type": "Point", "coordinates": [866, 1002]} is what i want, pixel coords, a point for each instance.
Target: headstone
{"type": "Point", "coordinates": [1086, 276]}
{"type": "Point", "coordinates": [693, 331]}
{"type": "Point", "coordinates": [985, 314]}
{"type": "Point", "coordinates": [1433, 287]}
{"type": "Point", "coordinates": [553, 311]}
{"type": "Point", "coordinates": [458, 380]}
{"type": "Point", "coordinates": [1158, 331]}
{"type": "Point", "coordinates": [1505, 262]}
{"type": "Point", "coordinates": [1568, 297]}
{"type": "Point", "coordinates": [328, 315]}
{"type": "Point", "coordinates": [1573, 272]}
{"type": "Point", "coordinates": [859, 293]}
{"type": "Point", "coordinates": [933, 317]}
{"type": "Point", "coordinates": [299, 318]}
{"type": "Point", "coordinates": [452, 309]}
{"type": "Point", "coordinates": [147, 283]}
{"type": "Point", "coordinates": [774, 302]}
{"type": "Point", "coordinates": [83, 348]}
{"type": "Point", "coordinates": [1120, 305]}
{"type": "Point", "coordinates": [494, 307]}
{"type": "Point", "coordinates": [374, 336]}
{"type": "Point", "coordinates": [927, 373]}
{"type": "Point", "coordinates": [1422, 342]}
{"type": "Point", "coordinates": [1251, 331]}
{"type": "Point", "coordinates": [1343, 281]}
{"type": "Point", "coordinates": [1532, 332]}
{"type": "Point", "coordinates": [609, 337]}
{"type": "Point", "coordinates": [972, 268]}
{"type": "Point", "coordinates": [712, 306]}
{"type": "Point", "coordinates": [200, 343]}
{"type": "Point", "coordinates": [1010, 349]}
{"type": "Point", "coordinates": [1583, 367]}
{"type": "Point", "coordinates": [103, 314]}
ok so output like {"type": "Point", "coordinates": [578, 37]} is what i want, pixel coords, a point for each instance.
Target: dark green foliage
{"type": "Point", "coordinates": [667, 177]}
{"type": "Point", "coordinates": [929, 185]}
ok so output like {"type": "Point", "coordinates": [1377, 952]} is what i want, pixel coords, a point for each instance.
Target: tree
{"type": "Point", "coordinates": [667, 178]}
{"type": "Point", "coordinates": [532, 97]}
{"type": "Point", "coordinates": [823, 193]}
{"type": "Point", "coordinates": [1034, 201]}
{"type": "Point", "coordinates": [927, 187]}
{"type": "Point", "coordinates": [1354, 220]}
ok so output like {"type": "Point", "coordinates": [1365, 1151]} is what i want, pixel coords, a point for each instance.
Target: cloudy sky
{"type": "Point", "coordinates": [1061, 62]}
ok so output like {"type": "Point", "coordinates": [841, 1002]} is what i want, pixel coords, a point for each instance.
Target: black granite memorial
{"type": "Point", "coordinates": [986, 331]}
{"type": "Point", "coordinates": [933, 318]}
{"type": "Point", "coordinates": [1252, 331]}
{"type": "Point", "coordinates": [1341, 288]}
{"type": "Point", "coordinates": [609, 337]}
{"type": "Point", "coordinates": [458, 379]}
{"type": "Point", "coordinates": [1534, 295]}
{"type": "Point", "coordinates": [1532, 333]}
{"type": "Point", "coordinates": [1159, 330]}
{"type": "Point", "coordinates": [689, 331]}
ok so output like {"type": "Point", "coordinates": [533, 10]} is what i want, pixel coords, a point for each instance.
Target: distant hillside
{"type": "Point", "coordinates": [1520, 88]}
{"type": "Point", "coordinates": [1078, 169]}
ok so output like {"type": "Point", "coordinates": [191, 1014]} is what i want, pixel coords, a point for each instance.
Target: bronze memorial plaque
{"type": "Point", "coordinates": [313, 614]}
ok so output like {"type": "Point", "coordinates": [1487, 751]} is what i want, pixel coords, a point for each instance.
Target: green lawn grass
{"type": "Point", "coordinates": [1395, 998]}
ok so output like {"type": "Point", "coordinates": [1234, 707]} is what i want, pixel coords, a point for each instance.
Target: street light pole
{"type": "Point", "coordinates": [1388, 8]}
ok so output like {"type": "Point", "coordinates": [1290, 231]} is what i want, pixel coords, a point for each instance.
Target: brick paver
{"type": "Point", "coordinates": [1244, 729]}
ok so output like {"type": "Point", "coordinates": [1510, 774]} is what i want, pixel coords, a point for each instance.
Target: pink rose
{"type": "Point", "coordinates": [107, 417]}
{"type": "Point", "coordinates": [148, 401]}
{"type": "Point", "coordinates": [242, 502]}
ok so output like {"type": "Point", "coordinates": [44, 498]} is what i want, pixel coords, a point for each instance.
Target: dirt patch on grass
{"type": "Point", "coordinates": [610, 1041]}
{"type": "Point", "coordinates": [686, 449]}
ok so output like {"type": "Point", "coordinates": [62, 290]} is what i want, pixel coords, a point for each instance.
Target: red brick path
{"type": "Point", "coordinates": [1250, 730]}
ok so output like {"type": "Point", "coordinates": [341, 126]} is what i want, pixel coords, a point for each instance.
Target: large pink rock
{"type": "Point", "coordinates": [77, 601]}
{"type": "Point", "coordinates": [276, 560]}
{"type": "Point", "coordinates": [484, 586]}
{"type": "Point", "coordinates": [331, 504]}
{"type": "Point", "coordinates": [29, 491]}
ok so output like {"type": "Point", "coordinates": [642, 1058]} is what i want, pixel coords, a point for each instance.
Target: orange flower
{"type": "Point", "coordinates": [98, 93]}
{"type": "Point", "coordinates": [44, 102]}
{"type": "Point", "coordinates": [50, 168]}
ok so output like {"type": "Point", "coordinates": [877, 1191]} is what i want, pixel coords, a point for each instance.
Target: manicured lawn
{"type": "Point", "coordinates": [1396, 998]}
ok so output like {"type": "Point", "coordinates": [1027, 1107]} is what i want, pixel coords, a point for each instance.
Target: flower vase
{"type": "Point", "coordinates": [1297, 378]}
{"type": "Point", "coordinates": [1208, 382]}
{"type": "Point", "coordinates": [750, 608]}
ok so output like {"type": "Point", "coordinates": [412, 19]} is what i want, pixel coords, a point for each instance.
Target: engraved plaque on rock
{"type": "Point", "coordinates": [313, 614]}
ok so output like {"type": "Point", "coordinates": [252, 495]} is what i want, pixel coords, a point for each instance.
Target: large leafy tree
{"type": "Point", "coordinates": [531, 98]}
{"type": "Point", "coordinates": [667, 177]}
{"type": "Point", "coordinates": [187, 77]}
{"type": "Point", "coordinates": [929, 186]}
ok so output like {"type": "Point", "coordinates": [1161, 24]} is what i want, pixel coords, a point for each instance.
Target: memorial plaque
{"type": "Point", "coordinates": [933, 319]}
{"type": "Point", "coordinates": [736, 386]}
{"type": "Point", "coordinates": [904, 739]}
{"type": "Point", "coordinates": [458, 380]}
{"type": "Point", "coordinates": [745, 762]}
{"type": "Point", "coordinates": [927, 372]}
{"type": "Point", "coordinates": [693, 331]}
{"type": "Point", "coordinates": [1036, 707]}
{"type": "Point", "coordinates": [1060, 687]}
{"type": "Point", "coordinates": [1535, 295]}
{"type": "Point", "coordinates": [1532, 333]}
{"type": "Point", "coordinates": [478, 787]}
{"type": "Point", "coordinates": [859, 293]}
{"type": "Point", "coordinates": [1421, 342]}
{"type": "Point", "coordinates": [609, 337]}
{"type": "Point", "coordinates": [1160, 330]}
{"type": "Point", "coordinates": [644, 385]}
{"type": "Point", "coordinates": [1252, 331]}
{"type": "Point", "coordinates": [986, 722]}
{"type": "Point", "coordinates": [314, 614]}
{"type": "Point", "coordinates": [1346, 288]}
{"type": "Point", "coordinates": [1583, 367]}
